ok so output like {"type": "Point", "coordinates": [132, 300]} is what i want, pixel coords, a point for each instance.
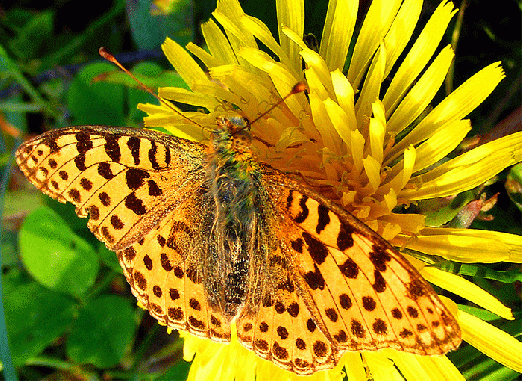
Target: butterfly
{"type": "Point", "coordinates": [208, 236]}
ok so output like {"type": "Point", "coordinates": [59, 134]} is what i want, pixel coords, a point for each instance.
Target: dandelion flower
{"type": "Point", "coordinates": [372, 148]}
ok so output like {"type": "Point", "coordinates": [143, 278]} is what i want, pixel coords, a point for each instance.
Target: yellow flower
{"type": "Point", "coordinates": [374, 152]}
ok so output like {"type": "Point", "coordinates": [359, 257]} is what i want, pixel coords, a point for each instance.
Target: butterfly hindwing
{"type": "Point", "coordinates": [164, 270]}
{"type": "Point", "coordinates": [282, 329]}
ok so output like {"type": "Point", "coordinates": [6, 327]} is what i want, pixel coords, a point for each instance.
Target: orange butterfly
{"type": "Point", "coordinates": [208, 236]}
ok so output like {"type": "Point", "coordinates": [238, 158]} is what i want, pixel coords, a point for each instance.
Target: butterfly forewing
{"type": "Point", "coordinates": [121, 177]}
{"type": "Point", "coordinates": [360, 291]}
{"type": "Point", "coordinates": [139, 189]}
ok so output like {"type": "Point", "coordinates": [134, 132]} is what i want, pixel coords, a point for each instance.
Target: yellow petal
{"type": "Point", "coordinates": [491, 341]}
{"type": "Point", "coordinates": [188, 97]}
{"type": "Point", "coordinates": [440, 368]}
{"type": "Point", "coordinates": [339, 119]}
{"type": "Point", "coordinates": [217, 44]}
{"type": "Point", "coordinates": [324, 125]}
{"type": "Point", "coordinates": [408, 222]}
{"type": "Point", "coordinates": [468, 290]}
{"type": "Point", "coordinates": [229, 14]}
{"type": "Point", "coordinates": [353, 363]}
{"type": "Point", "coordinates": [400, 173]}
{"type": "Point", "coordinates": [290, 13]}
{"type": "Point", "coordinates": [261, 32]}
{"type": "Point", "coordinates": [401, 31]}
{"type": "Point", "coordinates": [441, 143]}
{"type": "Point", "coordinates": [337, 32]}
{"type": "Point", "coordinates": [357, 149]}
{"type": "Point", "coordinates": [377, 129]}
{"type": "Point", "coordinates": [420, 54]}
{"type": "Point", "coordinates": [420, 95]}
{"type": "Point", "coordinates": [373, 171]}
{"type": "Point", "coordinates": [468, 245]}
{"type": "Point", "coordinates": [467, 170]}
{"type": "Point", "coordinates": [314, 61]}
{"type": "Point", "coordinates": [204, 56]}
{"type": "Point", "coordinates": [389, 231]}
{"type": "Point", "coordinates": [433, 368]}
{"type": "Point", "coordinates": [372, 86]}
{"type": "Point", "coordinates": [184, 64]}
{"type": "Point", "coordinates": [345, 97]}
{"type": "Point", "coordinates": [375, 26]}
{"type": "Point", "coordinates": [456, 105]}
{"type": "Point", "coordinates": [381, 368]}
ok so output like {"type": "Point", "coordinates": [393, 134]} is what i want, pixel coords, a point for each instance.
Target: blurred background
{"type": "Point", "coordinates": [74, 318]}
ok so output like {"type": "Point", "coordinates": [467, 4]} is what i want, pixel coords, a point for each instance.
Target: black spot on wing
{"type": "Point", "coordinates": [135, 178]}
{"type": "Point", "coordinates": [104, 170]}
{"type": "Point", "coordinates": [152, 155]}
{"type": "Point", "coordinates": [314, 279]}
{"type": "Point", "coordinates": [84, 142]}
{"type": "Point", "coordinates": [349, 268]}
{"type": "Point", "coordinates": [154, 189]}
{"type": "Point", "coordinates": [112, 148]}
{"type": "Point", "coordinates": [79, 161]}
{"type": "Point", "coordinates": [323, 218]}
{"type": "Point", "coordinates": [135, 204]}
{"type": "Point", "coordinates": [380, 282]}
{"type": "Point", "coordinates": [316, 248]}
{"type": "Point", "coordinates": [379, 257]}
{"type": "Point", "coordinates": [344, 238]}
{"type": "Point", "coordinates": [304, 212]}
{"type": "Point", "coordinates": [134, 145]}
{"type": "Point", "coordinates": [52, 144]}
{"type": "Point", "coordinates": [297, 245]}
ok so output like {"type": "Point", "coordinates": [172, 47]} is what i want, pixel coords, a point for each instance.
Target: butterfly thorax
{"type": "Point", "coordinates": [233, 180]}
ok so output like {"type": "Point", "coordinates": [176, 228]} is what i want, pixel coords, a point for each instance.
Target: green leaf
{"type": "Point", "coordinates": [103, 332]}
{"type": "Point", "coordinates": [55, 256]}
{"type": "Point", "coordinates": [179, 371]}
{"type": "Point", "coordinates": [94, 102]}
{"type": "Point", "coordinates": [35, 316]}
{"type": "Point", "coordinates": [109, 258]}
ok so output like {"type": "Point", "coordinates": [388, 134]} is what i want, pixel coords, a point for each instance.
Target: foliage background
{"type": "Point", "coordinates": [71, 316]}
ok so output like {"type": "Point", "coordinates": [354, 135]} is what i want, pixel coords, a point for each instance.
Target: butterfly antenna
{"type": "Point", "coordinates": [104, 52]}
{"type": "Point", "coordinates": [298, 88]}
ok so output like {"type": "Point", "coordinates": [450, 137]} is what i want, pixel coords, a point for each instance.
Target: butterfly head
{"type": "Point", "coordinates": [231, 140]}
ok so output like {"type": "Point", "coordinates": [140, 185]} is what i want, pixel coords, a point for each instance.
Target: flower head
{"type": "Point", "coordinates": [374, 149]}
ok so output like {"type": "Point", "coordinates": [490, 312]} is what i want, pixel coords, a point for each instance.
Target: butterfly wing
{"type": "Point", "coordinates": [140, 189]}
{"type": "Point", "coordinates": [166, 270]}
{"type": "Point", "coordinates": [350, 285]}
{"type": "Point", "coordinates": [120, 177]}
{"type": "Point", "coordinates": [281, 328]}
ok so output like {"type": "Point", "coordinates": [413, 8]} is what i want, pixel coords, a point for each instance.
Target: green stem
{"type": "Point", "coordinates": [454, 42]}
{"type": "Point", "coordinates": [17, 74]}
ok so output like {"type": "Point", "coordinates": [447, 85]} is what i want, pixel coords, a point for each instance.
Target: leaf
{"type": "Point", "coordinates": [103, 332]}
{"type": "Point", "coordinates": [96, 102]}
{"type": "Point", "coordinates": [55, 256]}
{"type": "Point", "coordinates": [35, 316]}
